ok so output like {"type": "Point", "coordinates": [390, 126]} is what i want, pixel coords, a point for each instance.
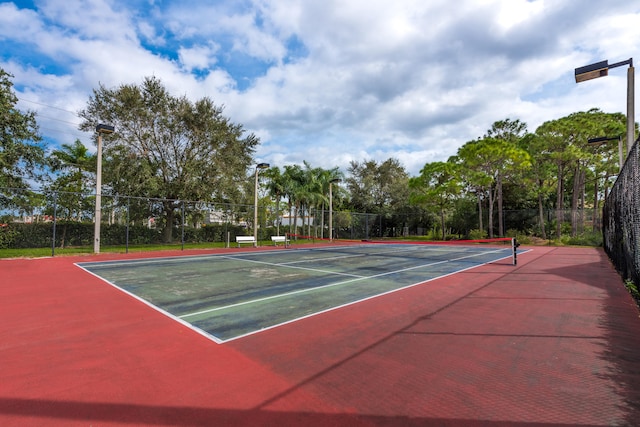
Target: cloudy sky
{"type": "Point", "coordinates": [327, 81]}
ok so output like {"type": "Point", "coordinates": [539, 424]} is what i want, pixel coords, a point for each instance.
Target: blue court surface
{"type": "Point", "coordinates": [226, 297]}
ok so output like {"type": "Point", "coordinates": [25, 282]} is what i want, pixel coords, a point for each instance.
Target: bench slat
{"type": "Point", "coordinates": [245, 239]}
{"type": "Point", "coordinates": [281, 239]}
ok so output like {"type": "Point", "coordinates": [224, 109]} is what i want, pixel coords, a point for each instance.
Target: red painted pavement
{"type": "Point", "coordinates": [553, 341]}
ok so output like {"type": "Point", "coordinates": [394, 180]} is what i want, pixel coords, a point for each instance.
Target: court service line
{"type": "Point", "coordinates": [403, 250]}
{"type": "Point", "coordinates": [322, 259]}
{"type": "Point", "coordinates": [273, 264]}
{"type": "Point", "coordinates": [211, 310]}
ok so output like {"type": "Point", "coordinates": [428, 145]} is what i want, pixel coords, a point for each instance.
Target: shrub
{"type": "Point", "coordinates": [476, 234]}
{"type": "Point", "coordinates": [7, 237]}
{"type": "Point", "coordinates": [584, 239]}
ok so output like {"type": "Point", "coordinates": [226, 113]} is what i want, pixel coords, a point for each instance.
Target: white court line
{"type": "Point", "coordinates": [222, 341]}
{"type": "Point", "coordinates": [273, 264]}
{"type": "Point", "coordinates": [335, 257]}
{"type": "Point", "coordinates": [300, 291]}
{"type": "Point", "coordinates": [155, 307]}
{"type": "Point", "coordinates": [144, 261]}
{"type": "Point", "coordinates": [381, 253]}
{"type": "Point", "coordinates": [322, 259]}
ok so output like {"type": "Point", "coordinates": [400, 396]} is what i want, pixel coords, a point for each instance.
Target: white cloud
{"type": "Point", "coordinates": [368, 79]}
{"type": "Point", "coordinates": [198, 57]}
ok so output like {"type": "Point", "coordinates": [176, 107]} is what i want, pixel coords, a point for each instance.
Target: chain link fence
{"type": "Point", "coordinates": [30, 219]}
{"type": "Point", "coordinates": [621, 219]}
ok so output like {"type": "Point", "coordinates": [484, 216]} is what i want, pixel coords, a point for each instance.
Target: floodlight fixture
{"type": "Point", "coordinates": [592, 71]}
{"type": "Point", "coordinates": [105, 129]}
{"type": "Point", "coordinates": [602, 139]}
{"type": "Point", "coordinates": [601, 69]}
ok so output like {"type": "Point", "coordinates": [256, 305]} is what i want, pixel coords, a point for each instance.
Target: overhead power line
{"type": "Point", "coordinates": [49, 106]}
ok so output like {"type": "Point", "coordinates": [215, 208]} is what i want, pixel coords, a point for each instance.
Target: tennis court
{"type": "Point", "coordinates": [226, 297]}
{"type": "Point", "coordinates": [550, 341]}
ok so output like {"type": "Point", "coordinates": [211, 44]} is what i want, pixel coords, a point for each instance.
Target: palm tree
{"type": "Point", "coordinates": [305, 189]}
{"type": "Point", "coordinates": [292, 189]}
{"type": "Point", "coordinates": [276, 187]}
{"type": "Point", "coordinates": [76, 160]}
{"type": "Point", "coordinates": [323, 179]}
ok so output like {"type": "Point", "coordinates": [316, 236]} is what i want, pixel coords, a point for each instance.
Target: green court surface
{"type": "Point", "coordinates": [225, 297]}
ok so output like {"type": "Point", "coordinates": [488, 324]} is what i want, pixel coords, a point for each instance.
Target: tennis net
{"type": "Point", "coordinates": [507, 246]}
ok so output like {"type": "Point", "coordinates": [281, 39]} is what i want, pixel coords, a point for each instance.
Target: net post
{"type": "Point", "coordinates": [514, 248]}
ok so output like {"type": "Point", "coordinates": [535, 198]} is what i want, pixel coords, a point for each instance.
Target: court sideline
{"type": "Point", "coordinates": [552, 341]}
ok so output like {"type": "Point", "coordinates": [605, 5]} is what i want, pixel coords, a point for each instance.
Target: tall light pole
{"type": "Point", "coordinates": [100, 129]}
{"type": "Point", "coordinates": [255, 204]}
{"type": "Point", "coordinates": [333, 181]}
{"type": "Point", "coordinates": [601, 69]}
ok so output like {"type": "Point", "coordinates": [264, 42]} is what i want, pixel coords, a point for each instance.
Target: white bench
{"type": "Point", "coordinates": [245, 239]}
{"type": "Point", "coordinates": [280, 239]}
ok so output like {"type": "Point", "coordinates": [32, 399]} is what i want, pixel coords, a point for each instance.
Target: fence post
{"type": "Point", "coordinates": [183, 225]}
{"type": "Point", "coordinates": [128, 220]}
{"type": "Point", "coordinates": [55, 214]}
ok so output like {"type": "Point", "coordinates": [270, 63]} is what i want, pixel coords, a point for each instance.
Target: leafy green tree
{"type": "Point", "coordinates": [475, 181]}
{"type": "Point", "coordinates": [540, 179]}
{"type": "Point", "coordinates": [438, 186]}
{"type": "Point", "coordinates": [381, 189]}
{"type": "Point", "coordinates": [378, 188]}
{"type": "Point", "coordinates": [304, 189]}
{"type": "Point", "coordinates": [510, 132]}
{"type": "Point", "coordinates": [294, 181]}
{"type": "Point", "coordinates": [490, 161]}
{"type": "Point", "coordinates": [168, 147]}
{"type": "Point", "coordinates": [76, 166]}
{"type": "Point", "coordinates": [507, 130]}
{"type": "Point", "coordinates": [310, 193]}
{"type": "Point", "coordinates": [21, 155]}
{"type": "Point", "coordinates": [324, 179]}
{"type": "Point", "coordinates": [276, 186]}
{"type": "Point", "coordinates": [564, 142]}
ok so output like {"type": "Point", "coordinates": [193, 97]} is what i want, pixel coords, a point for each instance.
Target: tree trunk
{"type": "Point", "coordinates": [490, 213]}
{"type": "Point", "coordinates": [559, 202]}
{"type": "Point", "coordinates": [278, 215]}
{"type": "Point", "coordinates": [295, 220]}
{"type": "Point", "coordinates": [575, 200]}
{"type": "Point", "coordinates": [595, 204]}
{"type": "Point", "coordinates": [500, 219]}
{"type": "Point", "coordinates": [442, 222]}
{"type": "Point", "coordinates": [583, 196]}
{"type": "Point", "coordinates": [167, 233]}
{"type": "Point", "coordinates": [541, 212]}
{"type": "Point", "coordinates": [480, 222]}
{"type": "Point", "coordinates": [322, 222]}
